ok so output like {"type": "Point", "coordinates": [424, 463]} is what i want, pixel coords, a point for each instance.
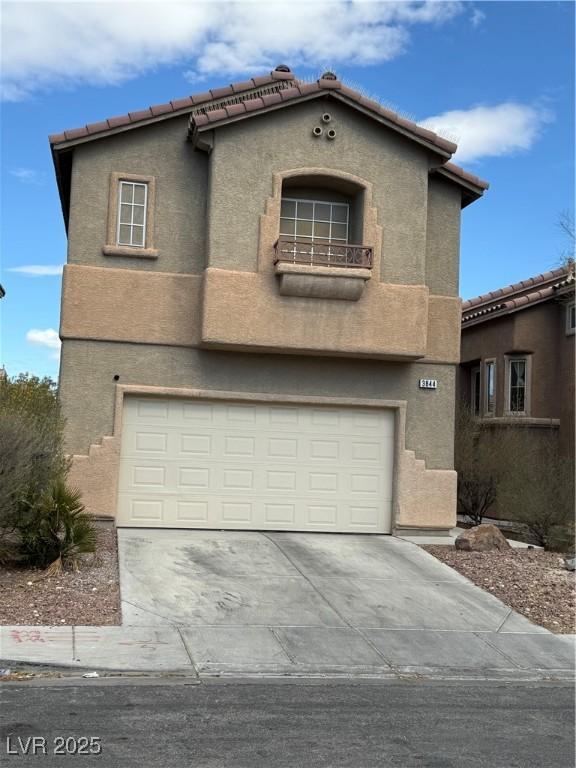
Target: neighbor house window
{"type": "Point", "coordinates": [571, 318]}
{"type": "Point", "coordinates": [490, 386]}
{"type": "Point", "coordinates": [130, 229]}
{"type": "Point", "coordinates": [517, 384]}
{"type": "Point", "coordinates": [314, 220]}
{"type": "Point", "coordinates": [475, 391]}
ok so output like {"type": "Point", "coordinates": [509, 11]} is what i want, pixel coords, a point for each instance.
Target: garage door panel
{"type": "Point", "coordinates": [255, 466]}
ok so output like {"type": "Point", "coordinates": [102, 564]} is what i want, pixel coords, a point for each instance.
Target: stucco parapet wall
{"type": "Point", "coordinates": [128, 305]}
{"type": "Point", "coordinates": [321, 282]}
{"type": "Point", "coordinates": [246, 310]}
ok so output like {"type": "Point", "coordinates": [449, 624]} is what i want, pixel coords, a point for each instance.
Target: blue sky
{"type": "Point", "coordinates": [497, 76]}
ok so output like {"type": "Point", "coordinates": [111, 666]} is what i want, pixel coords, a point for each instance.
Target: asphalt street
{"type": "Point", "coordinates": [360, 724]}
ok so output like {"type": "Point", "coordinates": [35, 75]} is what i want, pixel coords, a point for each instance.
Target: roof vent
{"type": "Point", "coordinates": [282, 68]}
{"type": "Point", "coordinates": [328, 76]}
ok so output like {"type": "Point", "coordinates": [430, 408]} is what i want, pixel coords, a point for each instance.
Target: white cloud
{"type": "Point", "coordinates": [38, 270]}
{"type": "Point", "coordinates": [491, 131]}
{"type": "Point", "coordinates": [477, 17]}
{"type": "Point", "coordinates": [28, 176]}
{"type": "Point", "coordinates": [67, 44]}
{"type": "Point", "coordinates": [48, 338]}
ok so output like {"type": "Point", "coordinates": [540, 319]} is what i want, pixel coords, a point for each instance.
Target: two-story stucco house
{"type": "Point", "coordinates": [258, 279]}
{"type": "Point", "coordinates": [517, 366]}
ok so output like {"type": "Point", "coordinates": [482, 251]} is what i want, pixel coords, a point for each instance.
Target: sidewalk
{"type": "Point", "coordinates": [263, 651]}
{"type": "Point", "coordinates": [226, 603]}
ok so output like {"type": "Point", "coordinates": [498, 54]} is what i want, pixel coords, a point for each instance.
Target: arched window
{"type": "Point", "coordinates": [321, 221]}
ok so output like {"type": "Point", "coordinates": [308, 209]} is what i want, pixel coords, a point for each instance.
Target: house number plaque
{"type": "Point", "coordinates": [428, 384]}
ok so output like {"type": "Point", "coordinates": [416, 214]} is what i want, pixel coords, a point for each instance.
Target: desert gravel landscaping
{"type": "Point", "coordinates": [532, 582]}
{"type": "Point", "coordinates": [90, 595]}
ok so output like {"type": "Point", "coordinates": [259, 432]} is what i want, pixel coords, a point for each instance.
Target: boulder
{"type": "Point", "coordinates": [482, 538]}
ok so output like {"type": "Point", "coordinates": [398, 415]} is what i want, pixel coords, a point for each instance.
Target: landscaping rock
{"type": "Point", "coordinates": [570, 562]}
{"type": "Point", "coordinates": [482, 538]}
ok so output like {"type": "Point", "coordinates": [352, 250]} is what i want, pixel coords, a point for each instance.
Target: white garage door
{"type": "Point", "coordinates": [210, 464]}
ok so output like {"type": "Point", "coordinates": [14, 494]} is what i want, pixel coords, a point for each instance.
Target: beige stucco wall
{"type": "Point", "coordinates": [396, 167]}
{"type": "Point", "coordinates": [180, 197]}
{"type": "Point", "coordinates": [127, 305]}
{"type": "Point", "coordinates": [246, 309]}
{"type": "Point", "coordinates": [87, 386]}
{"type": "Point", "coordinates": [443, 237]}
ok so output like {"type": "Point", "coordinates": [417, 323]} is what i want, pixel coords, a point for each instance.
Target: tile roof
{"type": "Point", "coordinates": [250, 97]}
{"type": "Point", "coordinates": [518, 295]}
{"type": "Point", "coordinates": [258, 94]}
{"type": "Point", "coordinates": [169, 108]}
{"type": "Point", "coordinates": [300, 90]}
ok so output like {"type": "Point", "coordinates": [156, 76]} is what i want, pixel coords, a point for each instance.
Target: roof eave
{"type": "Point", "coordinates": [152, 120]}
{"type": "Point", "coordinates": [63, 180]}
{"type": "Point", "coordinates": [470, 191]}
{"type": "Point", "coordinates": [511, 310]}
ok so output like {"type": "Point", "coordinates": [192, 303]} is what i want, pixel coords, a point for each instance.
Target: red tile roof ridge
{"type": "Point", "coordinates": [188, 102]}
{"type": "Point", "coordinates": [502, 293]}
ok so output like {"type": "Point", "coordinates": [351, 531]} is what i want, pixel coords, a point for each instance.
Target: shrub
{"type": "Point", "coordinates": [54, 529]}
{"type": "Point", "coordinates": [31, 443]}
{"type": "Point", "coordinates": [474, 460]}
{"type": "Point", "coordinates": [537, 487]}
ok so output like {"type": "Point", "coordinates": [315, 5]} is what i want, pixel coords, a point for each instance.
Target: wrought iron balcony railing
{"type": "Point", "coordinates": [325, 254]}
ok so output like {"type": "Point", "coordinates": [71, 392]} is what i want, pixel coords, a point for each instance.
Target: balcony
{"type": "Point", "coordinates": [323, 254]}
{"type": "Point", "coordinates": [322, 270]}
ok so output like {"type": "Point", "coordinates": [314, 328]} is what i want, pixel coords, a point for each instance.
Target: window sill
{"type": "Point", "coordinates": [126, 250]}
{"type": "Point", "coordinates": [523, 420]}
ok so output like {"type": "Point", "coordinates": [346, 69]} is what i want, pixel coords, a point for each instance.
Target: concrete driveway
{"type": "Point", "coordinates": [247, 602]}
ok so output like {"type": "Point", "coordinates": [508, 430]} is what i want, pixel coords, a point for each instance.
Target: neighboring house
{"type": "Point", "coordinates": [258, 278]}
{"type": "Point", "coordinates": [517, 359]}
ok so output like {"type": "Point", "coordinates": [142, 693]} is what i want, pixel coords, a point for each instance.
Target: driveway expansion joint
{"type": "Point", "coordinates": [300, 606]}
{"type": "Point", "coordinates": [310, 582]}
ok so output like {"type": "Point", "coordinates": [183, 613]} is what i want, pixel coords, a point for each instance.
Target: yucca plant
{"type": "Point", "coordinates": [55, 530]}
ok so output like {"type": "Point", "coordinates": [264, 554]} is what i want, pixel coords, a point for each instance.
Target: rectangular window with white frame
{"type": "Point", "coordinates": [517, 380]}
{"type": "Point", "coordinates": [132, 204]}
{"type": "Point", "coordinates": [314, 220]}
{"type": "Point", "coordinates": [490, 387]}
{"type": "Point", "coordinates": [130, 226]}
